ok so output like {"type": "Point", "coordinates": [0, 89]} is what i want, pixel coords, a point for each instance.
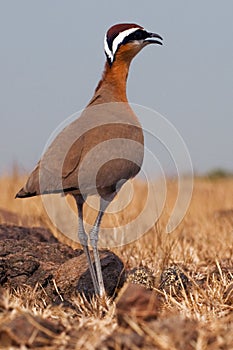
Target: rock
{"type": "Point", "coordinates": [137, 302]}
{"type": "Point", "coordinates": [28, 260]}
{"type": "Point", "coordinates": [74, 275]}
{"type": "Point", "coordinates": [32, 256]}
{"type": "Point", "coordinates": [28, 330]}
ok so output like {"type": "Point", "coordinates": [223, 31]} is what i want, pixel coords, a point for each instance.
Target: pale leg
{"type": "Point", "coordinates": [83, 239]}
{"type": "Point", "coordinates": [94, 236]}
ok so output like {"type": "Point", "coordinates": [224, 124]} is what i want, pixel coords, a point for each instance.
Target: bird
{"type": "Point", "coordinates": [103, 148]}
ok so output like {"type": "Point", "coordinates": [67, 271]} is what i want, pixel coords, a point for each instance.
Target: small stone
{"type": "Point", "coordinates": [142, 275]}
{"type": "Point", "coordinates": [173, 279]}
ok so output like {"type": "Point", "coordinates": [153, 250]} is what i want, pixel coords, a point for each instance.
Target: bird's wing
{"type": "Point", "coordinates": [59, 167]}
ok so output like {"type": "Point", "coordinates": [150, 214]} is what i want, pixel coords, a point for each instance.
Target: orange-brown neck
{"type": "Point", "coordinates": [112, 86]}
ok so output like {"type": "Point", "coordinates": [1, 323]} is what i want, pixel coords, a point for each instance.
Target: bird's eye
{"type": "Point", "coordinates": [138, 35]}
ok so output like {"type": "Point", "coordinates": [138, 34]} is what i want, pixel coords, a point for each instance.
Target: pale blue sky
{"type": "Point", "coordinates": [51, 59]}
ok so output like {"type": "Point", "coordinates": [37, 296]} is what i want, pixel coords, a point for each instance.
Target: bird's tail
{"type": "Point", "coordinates": [24, 194]}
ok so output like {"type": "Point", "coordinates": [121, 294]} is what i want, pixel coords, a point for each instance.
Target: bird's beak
{"type": "Point", "coordinates": [152, 39]}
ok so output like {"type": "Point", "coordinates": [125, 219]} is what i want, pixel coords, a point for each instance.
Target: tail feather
{"type": "Point", "coordinates": [24, 194]}
{"type": "Point", "coordinates": [31, 188]}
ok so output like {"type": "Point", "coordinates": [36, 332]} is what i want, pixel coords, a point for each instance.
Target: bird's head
{"type": "Point", "coordinates": [125, 40]}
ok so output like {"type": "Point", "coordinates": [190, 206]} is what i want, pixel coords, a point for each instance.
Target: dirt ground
{"type": "Point", "coordinates": [165, 291]}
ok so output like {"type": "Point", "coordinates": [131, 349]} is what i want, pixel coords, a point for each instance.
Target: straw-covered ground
{"type": "Point", "coordinates": [179, 293]}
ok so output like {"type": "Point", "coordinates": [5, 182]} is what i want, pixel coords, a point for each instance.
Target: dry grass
{"type": "Point", "coordinates": [199, 317]}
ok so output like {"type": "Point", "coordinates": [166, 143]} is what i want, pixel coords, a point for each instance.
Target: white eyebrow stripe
{"type": "Point", "coordinates": [106, 48]}
{"type": "Point", "coordinates": [120, 37]}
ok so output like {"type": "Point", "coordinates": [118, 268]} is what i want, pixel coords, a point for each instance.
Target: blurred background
{"type": "Point", "coordinates": [52, 57]}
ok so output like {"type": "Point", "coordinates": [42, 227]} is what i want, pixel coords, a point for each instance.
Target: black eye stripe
{"type": "Point", "coordinates": [137, 35]}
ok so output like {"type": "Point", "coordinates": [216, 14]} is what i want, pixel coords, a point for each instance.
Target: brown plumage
{"type": "Point", "coordinates": [103, 148]}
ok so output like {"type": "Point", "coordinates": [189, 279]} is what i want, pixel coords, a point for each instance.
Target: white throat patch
{"type": "Point", "coordinates": [116, 42]}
